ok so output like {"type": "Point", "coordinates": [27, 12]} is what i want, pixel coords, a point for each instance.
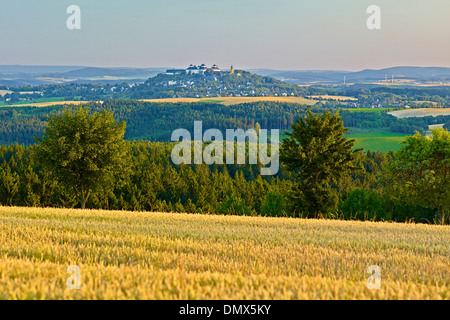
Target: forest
{"type": "Point", "coordinates": [154, 183]}
{"type": "Point", "coordinates": [156, 121]}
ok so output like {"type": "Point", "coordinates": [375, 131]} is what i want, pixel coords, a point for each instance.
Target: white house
{"type": "Point", "coordinates": [193, 69]}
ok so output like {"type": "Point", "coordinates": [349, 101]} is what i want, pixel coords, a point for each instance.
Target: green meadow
{"type": "Point", "coordinates": [371, 110]}
{"type": "Point", "coordinates": [373, 139]}
{"type": "Point", "coordinates": [376, 140]}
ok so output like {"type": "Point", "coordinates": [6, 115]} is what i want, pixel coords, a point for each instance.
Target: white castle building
{"type": "Point", "coordinates": [193, 69]}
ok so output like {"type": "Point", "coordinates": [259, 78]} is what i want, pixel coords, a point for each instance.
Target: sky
{"type": "Point", "coordinates": [249, 34]}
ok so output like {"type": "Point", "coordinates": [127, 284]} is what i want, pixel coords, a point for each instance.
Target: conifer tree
{"type": "Point", "coordinates": [318, 155]}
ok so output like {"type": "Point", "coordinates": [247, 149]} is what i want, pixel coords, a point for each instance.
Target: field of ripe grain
{"type": "Point", "coordinates": [174, 100]}
{"type": "Point", "coordinates": [126, 255]}
{"type": "Point", "coordinates": [337, 98]}
{"type": "Point", "coordinates": [46, 104]}
{"type": "Point", "coordinates": [423, 112]}
{"type": "Point", "coordinates": [222, 100]}
{"type": "Point", "coordinates": [3, 92]}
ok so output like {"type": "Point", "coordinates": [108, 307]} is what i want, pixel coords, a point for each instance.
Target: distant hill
{"type": "Point", "coordinates": [417, 73]}
{"type": "Point", "coordinates": [17, 69]}
{"type": "Point", "coordinates": [111, 72]}
{"type": "Point", "coordinates": [40, 75]}
{"type": "Point", "coordinates": [311, 76]}
{"type": "Point", "coordinates": [213, 84]}
{"type": "Point", "coordinates": [127, 83]}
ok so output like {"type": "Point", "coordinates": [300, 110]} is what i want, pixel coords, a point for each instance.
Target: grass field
{"type": "Point", "coordinates": [372, 139]}
{"type": "Point", "coordinates": [125, 255]}
{"type": "Point", "coordinates": [377, 140]}
{"type": "Point", "coordinates": [374, 110]}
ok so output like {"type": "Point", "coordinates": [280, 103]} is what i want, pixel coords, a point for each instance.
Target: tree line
{"type": "Point", "coordinates": [156, 121]}
{"type": "Point", "coordinates": [83, 161]}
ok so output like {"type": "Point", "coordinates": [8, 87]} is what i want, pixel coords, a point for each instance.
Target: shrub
{"type": "Point", "coordinates": [274, 205]}
{"type": "Point", "coordinates": [235, 206]}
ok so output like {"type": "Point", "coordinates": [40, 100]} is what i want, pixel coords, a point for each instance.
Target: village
{"type": "Point", "coordinates": [202, 81]}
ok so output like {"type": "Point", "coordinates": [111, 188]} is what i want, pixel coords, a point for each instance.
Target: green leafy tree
{"type": "Point", "coordinates": [318, 155]}
{"type": "Point", "coordinates": [421, 171]}
{"type": "Point", "coordinates": [85, 153]}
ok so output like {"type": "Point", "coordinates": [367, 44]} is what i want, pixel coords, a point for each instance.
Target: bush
{"type": "Point", "coordinates": [274, 205]}
{"type": "Point", "coordinates": [235, 206]}
{"type": "Point", "coordinates": [363, 205]}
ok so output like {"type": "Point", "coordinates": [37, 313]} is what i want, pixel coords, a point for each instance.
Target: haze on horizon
{"type": "Point", "coordinates": [250, 34]}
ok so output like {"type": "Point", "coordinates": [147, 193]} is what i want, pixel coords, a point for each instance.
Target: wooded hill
{"type": "Point", "coordinates": [211, 84]}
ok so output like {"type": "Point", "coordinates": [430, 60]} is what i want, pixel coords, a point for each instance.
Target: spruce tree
{"type": "Point", "coordinates": [317, 155]}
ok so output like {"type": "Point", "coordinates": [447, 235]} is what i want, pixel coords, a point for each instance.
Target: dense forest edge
{"type": "Point", "coordinates": [156, 121]}
{"type": "Point", "coordinates": [153, 183]}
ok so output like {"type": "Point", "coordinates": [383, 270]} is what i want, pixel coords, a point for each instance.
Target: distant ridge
{"type": "Point", "coordinates": [14, 75]}
{"type": "Point", "coordinates": [111, 72]}
{"type": "Point", "coordinates": [401, 72]}
{"type": "Point", "coordinates": [38, 75]}
{"type": "Point", "coordinates": [14, 69]}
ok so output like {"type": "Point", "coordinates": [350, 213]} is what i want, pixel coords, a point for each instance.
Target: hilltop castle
{"type": "Point", "coordinates": [193, 69]}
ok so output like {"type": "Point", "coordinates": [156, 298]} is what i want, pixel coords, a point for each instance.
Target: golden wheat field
{"type": "Point", "coordinates": [424, 112]}
{"type": "Point", "coordinates": [228, 101]}
{"type": "Point", "coordinates": [48, 104]}
{"type": "Point", "coordinates": [135, 255]}
{"type": "Point", "coordinates": [331, 97]}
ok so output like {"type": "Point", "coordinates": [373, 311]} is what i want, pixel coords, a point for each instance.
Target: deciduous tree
{"type": "Point", "coordinates": [84, 152]}
{"type": "Point", "coordinates": [421, 171]}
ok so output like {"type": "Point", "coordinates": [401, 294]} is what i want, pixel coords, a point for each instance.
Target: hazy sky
{"type": "Point", "coordinates": [277, 34]}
